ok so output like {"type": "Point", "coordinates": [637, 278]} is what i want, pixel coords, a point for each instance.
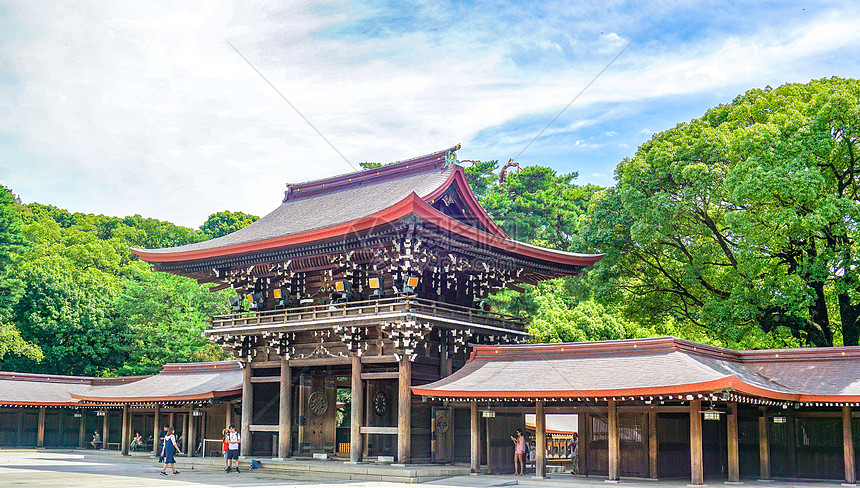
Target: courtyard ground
{"type": "Point", "coordinates": [32, 469]}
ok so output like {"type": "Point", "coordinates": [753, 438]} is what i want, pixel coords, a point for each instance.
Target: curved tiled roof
{"type": "Point", "coordinates": [47, 389]}
{"type": "Point", "coordinates": [659, 366]}
{"type": "Point", "coordinates": [176, 382]}
{"type": "Point", "coordinates": [323, 203]}
{"type": "Point", "coordinates": [334, 207]}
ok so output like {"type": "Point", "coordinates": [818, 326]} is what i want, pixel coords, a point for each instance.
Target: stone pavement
{"type": "Point", "coordinates": [42, 468]}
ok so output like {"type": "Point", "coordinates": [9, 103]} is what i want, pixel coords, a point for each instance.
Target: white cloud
{"type": "Point", "coordinates": [141, 107]}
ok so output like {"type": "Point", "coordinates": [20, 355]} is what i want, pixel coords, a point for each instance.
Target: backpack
{"type": "Point", "coordinates": [255, 464]}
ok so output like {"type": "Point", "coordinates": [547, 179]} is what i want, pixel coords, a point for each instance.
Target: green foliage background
{"type": "Point", "coordinates": [739, 228]}
{"type": "Point", "coordinates": [77, 301]}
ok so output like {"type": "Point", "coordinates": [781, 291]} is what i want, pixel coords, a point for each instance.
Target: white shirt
{"type": "Point", "coordinates": [171, 439]}
{"type": "Point", "coordinates": [233, 439]}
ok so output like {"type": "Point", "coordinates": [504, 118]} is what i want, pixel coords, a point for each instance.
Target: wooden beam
{"type": "Point", "coordinates": [404, 412]}
{"type": "Point", "coordinates": [263, 428]}
{"type": "Point", "coordinates": [40, 428]}
{"type": "Point", "coordinates": [265, 379]}
{"type": "Point", "coordinates": [540, 440]}
{"type": "Point", "coordinates": [848, 447]}
{"type": "Point", "coordinates": [697, 470]}
{"type": "Point", "coordinates": [126, 420]}
{"type": "Point", "coordinates": [734, 473]}
{"type": "Point", "coordinates": [356, 447]}
{"type": "Point", "coordinates": [474, 437]}
{"type": "Point", "coordinates": [763, 446]}
{"type": "Point", "coordinates": [614, 446]}
{"type": "Point", "coordinates": [265, 364]}
{"type": "Point", "coordinates": [285, 410]}
{"type": "Point", "coordinates": [156, 430]}
{"type": "Point", "coordinates": [653, 447]}
{"type": "Point", "coordinates": [380, 430]}
{"type": "Point", "coordinates": [335, 361]}
{"type": "Point", "coordinates": [247, 410]}
{"type": "Point", "coordinates": [388, 375]}
{"type": "Point", "coordinates": [388, 358]}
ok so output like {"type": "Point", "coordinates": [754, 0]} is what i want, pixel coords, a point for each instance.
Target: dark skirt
{"type": "Point", "coordinates": [169, 451]}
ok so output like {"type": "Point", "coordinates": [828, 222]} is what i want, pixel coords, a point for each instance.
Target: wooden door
{"type": "Point", "coordinates": [818, 448]}
{"type": "Point", "coordinates": [317, 410]}
{"type": "Point", "coordinates": [442, 435]}
{"type": "Point", "coordinates": [634, 444]}
{"type": "Point", "coordinates": [501, 449]}
{"type": "Point", "coordinates": [597, 444]}
{"type": "Point", "coordinates": [673, 439]}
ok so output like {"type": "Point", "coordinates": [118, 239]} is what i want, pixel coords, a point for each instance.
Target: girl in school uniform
{"type": "Point", "coordinates": [168, 450]}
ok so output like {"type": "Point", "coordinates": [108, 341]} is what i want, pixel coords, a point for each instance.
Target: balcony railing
{"type": "Point", "coordinates": [368, 309]}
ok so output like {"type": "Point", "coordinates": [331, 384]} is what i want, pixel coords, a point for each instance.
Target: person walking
{"type": "Point", "coordinates": [161, 437]}
{"type": "Point", "coordinates": [233, 441]}
{"type": "Point", "coordinates": [519, 450]}
{"type": "Point", "coordinates": [168, 450]}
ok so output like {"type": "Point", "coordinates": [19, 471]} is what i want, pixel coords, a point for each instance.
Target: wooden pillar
{"type": "Point", "coordinates": [582, 448]}
{"type": "Point", "coordinates": [123, 442]}
{"type": "Point", "coordinates": [475, 437]}
{"type": "Point", "coordinates": [446, 364]}
{"type": "Point", "coordinates": [848, 446]}
{"type": "Point", "coordinates": [732, 441]}
{"type": "Point", "coordinates": [156, 430]}
{"type": "Point", "coordinates": [489, 451]}
{"type": "Point", "coordinates": [540, 440]}
{"type": "Point", "coordinates": [171, 419]}
{"type": "Point", "coordinates": [40, 432]}
{"type": "Point", "coordinates": [697, 470]}
{"type": "Point", "coordinates": [356, 411]}
{"type": "Point", "coordinates": [404, 412]}
{"type": "Point", "coordinates": [228, 415]}
{"type": "Point", "coordinates": [82, 429]}
{"type": "Point", "coordinates": [653, 446]}
{"type": "Point", "coordinates": [247, 410]}
{"type": "Point", "coordinates": [285, 411]}
{"type": "Point", "coordinates": [105, 430]}
{"type": "Point", "coordinates": [763, 446]}
{"type": "Point", "coordinates": [185, 422]}
{"type": "Point", "coordinates": [191, 443]}
{"type": "Point", "coordinates": [614, 442]}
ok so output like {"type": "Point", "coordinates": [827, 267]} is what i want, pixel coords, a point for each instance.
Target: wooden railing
{"type": "Point", "coordinates": [369, 308]}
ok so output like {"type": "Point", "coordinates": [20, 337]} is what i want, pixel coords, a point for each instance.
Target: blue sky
{"type": "Point", "coordinates": [142, 107]}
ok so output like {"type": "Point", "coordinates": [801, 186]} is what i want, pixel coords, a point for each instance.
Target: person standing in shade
{"type": "Point", "coordinates": [233, 441]}
{"type": "Point", "coordinates": [168, 450]}
{"type": "Point", "coordinates": [519, 450]}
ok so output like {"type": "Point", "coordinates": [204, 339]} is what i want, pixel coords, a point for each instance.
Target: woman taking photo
{"type": "Point", "coordinates": [168, 450]}
{"type": "Point", "coordinates": [519, 450]}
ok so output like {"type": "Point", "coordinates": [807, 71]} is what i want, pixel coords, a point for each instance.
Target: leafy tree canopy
{"type": "Point", "coordinates": [744, 220]}
{"type": "Point", "coordinates": [223, 223]}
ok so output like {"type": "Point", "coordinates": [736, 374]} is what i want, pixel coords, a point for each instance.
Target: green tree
{"type": "Point", "coordinates": [12, 244]}
{"type": "Point", "coordinates": [535, 205]}
{"type": "Point", "coordinates": [744, 220]}
{"type": "Point", "coordinates": [223, 223]}
{"type": "Point", "coordinates": [164, 316]}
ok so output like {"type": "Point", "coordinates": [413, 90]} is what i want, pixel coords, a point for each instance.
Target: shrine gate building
{"type": "Point", "coordinates": [365, 284]}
